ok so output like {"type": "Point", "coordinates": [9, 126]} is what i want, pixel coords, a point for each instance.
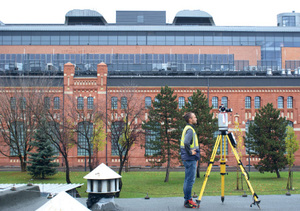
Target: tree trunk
{"type": "Point", "coordinates": [67, 171]}
{"type": "Point", "coordinates": [289, 182]}
{"type": "Point", "coordinates": [277, 173]}
{"type": "Point", "coordinates": [198, 169]}
{"type": "Point", "coordinates": [22, 165]}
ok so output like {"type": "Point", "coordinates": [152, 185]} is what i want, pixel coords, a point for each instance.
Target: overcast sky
{"type": "Point", "coordinates": [224, 12]}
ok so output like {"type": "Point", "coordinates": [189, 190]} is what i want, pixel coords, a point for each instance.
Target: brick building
{"type": "Point", "coordinates": [246, 67]}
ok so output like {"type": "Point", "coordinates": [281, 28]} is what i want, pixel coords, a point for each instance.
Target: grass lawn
{"type": "Point", "coordinates": [138, 184]}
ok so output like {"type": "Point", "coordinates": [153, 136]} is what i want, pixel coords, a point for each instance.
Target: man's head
{"type": "Point", "coordinates": [190, 118]}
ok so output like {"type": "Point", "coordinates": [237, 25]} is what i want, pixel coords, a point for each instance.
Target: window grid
{"type": "Point", "coordinates": [47, 103]}
{"type": "Point", "coordinates": [114, 103]}
{"type": "Point", "coordinates": [123, 102]}
{"type": "Point", "coordinates": [80, 103]}
{"type": "Point", "coordinates": [147, 102]}
{"type": "Point", "coordinates": [257, 102]}
{"type": "Point", "coordinates": [224, 101]}
{"type": "Point", "coordinates": [290, 102]}
{"type": "Point", "coordinates": [280, 102]}
{"type": "Point", "coordinates": [181, 102]}
{"type": "Point", "coordinates": [90, 103]}
{"type": "Point", "coordinates": [248, 102]}
{"type": "Point", "coordinates": [150, 137]}
{"type": "Point", "coordinates": [85, 132]}
{"type": "Point", "coordinates": [13, 103]}
{"type": "Point", "coordinates": [17, 133]}
{"type": "Point", "coordinates": [56, 103]}
{"type": "Point", "coordinates": [214, 102]}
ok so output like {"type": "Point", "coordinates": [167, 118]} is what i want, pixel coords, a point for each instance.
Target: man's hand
{"type": "Point", "coordinates": [193, 152]}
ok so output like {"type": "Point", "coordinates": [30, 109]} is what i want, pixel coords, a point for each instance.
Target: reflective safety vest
{"type": "Point", "coordinates": [195, 144]}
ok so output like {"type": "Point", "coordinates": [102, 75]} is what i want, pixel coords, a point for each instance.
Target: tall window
{"type": "Point", "coordinates": [248, 148]}
{"type": "Point", "coordinates": [13, 103]}
{"type": "Point", "coordinates": [114, 103]}
{"type": "Point", "coordinates": [280, 102]}
{"type": "Point", "coordinates": [85, 133]}
{"type": "Point", "coordinates": [17, 134]}
{"type": "Point", "coordinates": [248, 102]}
{"type": "Point", "coordinates": [90, 103]}
{"type": "Point", "coordinates": [47, 103]}
{"type": "Point", "coordinates": [22, 101]}
{"type": "Point", "coordinates": [80, 103]}
{"type": "Point", "coordinates": [147, 102]}
{"type": "Point", "coordinates": [257, 102]}
{"type": "Point", "coordinates": [123, 102]}
{"type": "Point", "coordinates": [290, 102]}
{"type": "Point", "coordinates": [214, 102]}
{"type": "Point", "coordinates": [150, 147]}
{"type": "Point", "coordinates": [224, 101]}
{"type": "Point", "coordinates": [181, 102]}
{"type": "Point", "coordinates": [116, 132]}
{"type": "Point", "coordinates": [56, 103]}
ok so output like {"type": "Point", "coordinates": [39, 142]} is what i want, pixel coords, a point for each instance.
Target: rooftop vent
{"type": "Point", "coordinates": [193, 17]}
{"type": "Point", "coordinates": [84, 17]}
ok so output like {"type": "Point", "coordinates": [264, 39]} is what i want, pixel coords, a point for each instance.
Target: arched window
{"type": "Point", "coordinates": [13, 103]}
{"type": "Point", "coordinates": [90, 103]}
{"type": "Point", "coordinates": [80, 103]}
{"type": "Point", "coordinates": [47, 103]}
{"type": "Point", "coordinates": [147, 102]}
{"type": "Point", "coordinates": [114, 103]}
{"type": "Point", "coordinates": [214, 102]}
{"type": "Point", "coordinates": [181, 102]}
{"type": "Point", "coordinates": [257, 102]}
{"type": "Point", "coordinates": [248, 102]}
{"type": "Point", "coordinates": [22, 102]}
{"type": "Point", "coordinates": [280, 102]}
{"type": "Point", "coordinates": [290, 102]}
{"type": "Point", "coordinates": [56, 103]}
{"type": "Point", "coordinates": [224, 101]}
{"type": "Point", "coordinates": [123, 102]}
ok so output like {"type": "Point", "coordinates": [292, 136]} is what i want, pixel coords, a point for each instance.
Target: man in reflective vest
{"type": "Point", "coordinates": [190, 154]}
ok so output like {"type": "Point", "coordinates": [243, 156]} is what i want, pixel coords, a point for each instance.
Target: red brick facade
{"type": "Point", "coordinates": [98, 88]}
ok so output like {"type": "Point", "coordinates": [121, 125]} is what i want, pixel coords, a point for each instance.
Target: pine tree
{"type": "Point", "coordinates": [206, 124]}
{"type": "Point", "coordinates": [163, 121]}
{"type": "Point", "coordinates": [266, 140]}
{"type": "Point", "coordinates": [41, 162]}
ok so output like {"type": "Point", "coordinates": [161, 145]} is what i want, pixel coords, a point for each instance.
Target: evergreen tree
{"type": "Point", "coordinates": [206, 124]}
{"type": "Point", "coordinates": [265, 139]}
{"type": "Point", "coordinates": [163, 121]}
{"type": "Point", "coordinates": [41, 162]}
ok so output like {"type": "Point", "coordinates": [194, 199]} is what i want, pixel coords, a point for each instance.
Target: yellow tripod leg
{"type": "Point", "coordinates": [223, 167]}
{"type": "Point", "coordinates": [245, 173]}
{"type": "Point", "coordinates": [211, 161]}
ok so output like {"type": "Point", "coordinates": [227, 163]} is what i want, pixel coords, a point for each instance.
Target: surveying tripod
{"type": "Point", "coordinates": [221, 141]}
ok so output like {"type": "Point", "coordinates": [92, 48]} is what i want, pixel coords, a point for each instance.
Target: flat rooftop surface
{"type": "Point", "coordinates": [268, 202]}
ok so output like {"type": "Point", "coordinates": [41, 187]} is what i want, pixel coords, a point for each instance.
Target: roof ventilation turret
{"type": "Point", "coordinates": [84, 17]}
{"type": "Point", "coordinates": [193, 17]}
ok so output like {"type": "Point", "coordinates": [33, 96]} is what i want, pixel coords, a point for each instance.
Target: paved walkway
{"type": "Point", "coordinates": [211, 203]}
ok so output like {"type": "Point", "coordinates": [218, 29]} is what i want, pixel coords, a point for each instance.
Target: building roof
{"type": "Point", "coordinates": [102, 172]}
{"type": "Point", "coordinates": [45, 188]}
{"type": "Point", "coordinates": [63, 201]}
{"type": "Point", "coordinates": [145, 28]}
